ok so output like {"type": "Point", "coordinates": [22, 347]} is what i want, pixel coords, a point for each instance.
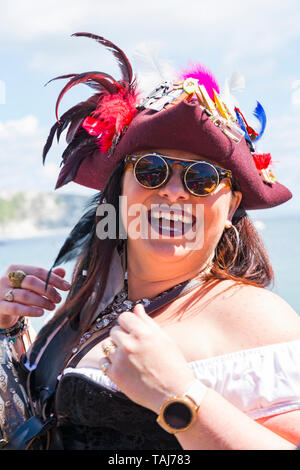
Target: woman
{"type": "Point", "coordinates": [213, 362]}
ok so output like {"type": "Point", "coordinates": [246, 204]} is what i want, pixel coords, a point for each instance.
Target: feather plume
{"type": "Point", "coordinates": [72, 116]}
{"type": "Point", "coordinates": [79, 237]}
{"type": "Point", "coordinates": [237, 82]}
{"type": "Point", "coordinates": [122, 59]}
{"type": "Point", "coordinates": [105, 80]}
{"type": "Point", "coordinates": [204, 76]}
{"type": "Point", "coordinates": [262, 160]}
{"type": "Point", "coordinates": [72, 158]}
{"type": "Point", "coordinates": [228, 98]}
{"type": "Point", "coordinates": [69, 75]}
{"type": "Point", "coordinates": [250, 133]}
{"type": "Point", "coordinates": [112, 116]}
{"type": "Point", "coordinates": [95, 80]}
{"type": "Point", "coordinates": [260, 114]}
{"type": "Point", "coordinates": [114, 104]}
{"type": "Point", "coordinates": [242, 124]}
{"type": "Point", "coordinates": [151, 68]}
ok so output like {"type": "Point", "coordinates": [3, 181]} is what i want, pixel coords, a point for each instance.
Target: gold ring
{"type": "Point", "coordinates": [16, 278]}
{"type": "Point", "coordinates": [107, 348]}
{"type": "Point", "coordinates": [104, 367]}
{"type": "Point", "coordinates": [9, 296]}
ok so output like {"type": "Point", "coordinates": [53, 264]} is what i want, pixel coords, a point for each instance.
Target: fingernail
{"type": "Point", "coordinates": [66, 284]}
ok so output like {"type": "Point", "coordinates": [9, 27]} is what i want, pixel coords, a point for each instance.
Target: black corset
{"type": "Point", "coordinates": [92, 417]}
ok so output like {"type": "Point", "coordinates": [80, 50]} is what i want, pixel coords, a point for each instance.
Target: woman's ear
{"type": "Point", "coordinates": [236, 197]}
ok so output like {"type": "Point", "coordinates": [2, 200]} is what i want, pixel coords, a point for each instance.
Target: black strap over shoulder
{"type": "Point", "coordinates": [50, 361]}
{"type": "Point", "coordinates": [39, 379]}
{"type": "Point", "coordinates": [31, 434]}
{"type": "Point", "coordinates": [155, 304]}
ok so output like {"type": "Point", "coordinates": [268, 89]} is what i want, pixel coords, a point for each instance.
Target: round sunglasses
{"type": "Point", "coordinates": [153, 170]}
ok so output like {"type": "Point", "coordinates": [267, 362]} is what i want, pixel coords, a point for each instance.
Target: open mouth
{"type": "Point", "coordinates": [170, 223]}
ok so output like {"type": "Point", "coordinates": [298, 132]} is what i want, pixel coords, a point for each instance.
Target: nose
{"type": "Point", "coordinates": [174, 189]}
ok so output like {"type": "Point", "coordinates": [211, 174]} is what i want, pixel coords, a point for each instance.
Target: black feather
{"type": "Point", "coordinates": [123, 61]}
{"type": "Point", "coordinates": [79, 237]}
{"type": "Point", "coordinates": [49, 141]}
{"type": "Point", "coordinates": [60, 77]}
{"type": "Point", "coordinates": [76, 113]}
{"type": "Point", "coordinates": [73, 156]}
{"type": "Point", "coordinates": [104, 80]}
{"type": "Point", "coordinates": [94, 80]}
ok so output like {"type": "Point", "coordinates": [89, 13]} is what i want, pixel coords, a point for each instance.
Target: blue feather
{"type": "Point", "coordinates": [242, 125]}
{"type": "Point", "coordinates": [260, 114]}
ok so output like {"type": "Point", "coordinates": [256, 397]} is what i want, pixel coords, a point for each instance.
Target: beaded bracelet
{"type": "Point", "coordinates": [16, 330]}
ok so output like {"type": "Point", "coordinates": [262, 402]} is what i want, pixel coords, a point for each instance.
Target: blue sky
{"type": "Point", "coordinates": [260, 39]}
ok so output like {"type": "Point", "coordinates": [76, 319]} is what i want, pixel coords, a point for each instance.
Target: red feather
{"type": "Point", "coordinates": [110, 119]}
{"type": "Point", "coordinates": [262, 160]}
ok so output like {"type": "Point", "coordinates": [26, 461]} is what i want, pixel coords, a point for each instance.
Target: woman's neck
{"type": "Point", "coordinates": [147, 284]}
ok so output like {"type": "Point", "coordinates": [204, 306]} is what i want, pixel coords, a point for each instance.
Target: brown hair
{"type": "Point", "coordinates": [242, 259]}
{"type": "Point", "coordinates": [251, 263]}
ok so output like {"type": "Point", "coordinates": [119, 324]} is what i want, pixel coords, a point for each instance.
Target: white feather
{"type": "Point", "coordinates": [237, 82]}
{"type": "Point", "coordinates": [228, 98]}
{"type": "Point", "coordinates": [151, 70]}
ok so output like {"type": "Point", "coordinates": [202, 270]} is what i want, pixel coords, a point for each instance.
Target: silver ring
{"type": "Point", "coordinates": [9, 296]}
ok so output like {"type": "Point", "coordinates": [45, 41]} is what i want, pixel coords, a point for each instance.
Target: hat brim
{"type": "Point", "coordinates": [186, 127]}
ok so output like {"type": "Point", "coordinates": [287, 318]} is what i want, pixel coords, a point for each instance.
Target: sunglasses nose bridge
{"type": "Point", "coordinates": [180, 168]}
{"type": "Point", "coordinates": [174, 187]}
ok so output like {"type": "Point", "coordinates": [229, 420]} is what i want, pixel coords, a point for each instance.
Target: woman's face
{"type": "Point", "coordinates": [170, 223]}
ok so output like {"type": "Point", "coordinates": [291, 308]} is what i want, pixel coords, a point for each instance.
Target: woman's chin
{"type": "Point", "coordinates": [169, 247]}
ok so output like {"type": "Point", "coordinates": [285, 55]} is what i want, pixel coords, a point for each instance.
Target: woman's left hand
{"type": "Point", "coordinates": [146, 364]}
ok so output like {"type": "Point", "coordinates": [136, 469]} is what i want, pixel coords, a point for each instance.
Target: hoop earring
{"type": "Point", "coordinates": [237, 236]}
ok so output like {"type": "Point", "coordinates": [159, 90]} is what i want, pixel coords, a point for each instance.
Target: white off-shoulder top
{"type": "Point", "coordinates": [261, 382]}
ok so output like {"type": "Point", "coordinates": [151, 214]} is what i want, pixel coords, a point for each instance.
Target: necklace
{"type": "Point", "coordinates": [121, 304]}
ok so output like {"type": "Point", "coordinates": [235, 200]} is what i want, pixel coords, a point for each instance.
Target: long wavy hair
{"type": "Point", "coordinates": [245, 261]}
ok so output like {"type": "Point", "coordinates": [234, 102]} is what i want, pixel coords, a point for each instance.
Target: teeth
{"type": "Point", "coordinates": [168, 216]}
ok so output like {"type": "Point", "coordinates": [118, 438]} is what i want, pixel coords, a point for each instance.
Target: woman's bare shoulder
{"type": "Point", "coordinates": [255, 314]}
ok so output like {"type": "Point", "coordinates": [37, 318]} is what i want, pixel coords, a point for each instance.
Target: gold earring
{"type": "Point", "coordinates": [237, 235]}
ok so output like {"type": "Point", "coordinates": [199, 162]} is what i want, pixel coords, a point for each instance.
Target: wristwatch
{"type": "Point", "coordinates": [179, 413]}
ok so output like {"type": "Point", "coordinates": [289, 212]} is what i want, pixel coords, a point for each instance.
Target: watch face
{"type": "Point", "coordinates": [177, 415]}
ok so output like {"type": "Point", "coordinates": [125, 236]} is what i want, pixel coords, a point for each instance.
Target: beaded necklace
{"type": "Point", "coordinates": [121, 304]}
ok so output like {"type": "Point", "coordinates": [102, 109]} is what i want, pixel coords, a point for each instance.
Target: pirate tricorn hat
{"type": "Point", "coordinates": [187, 114]}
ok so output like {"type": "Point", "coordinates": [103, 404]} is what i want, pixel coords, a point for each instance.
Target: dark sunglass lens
{"type": "Point", "coordinates": [201, 179]}
{"type": "Point", "coordinates": [151, 171]}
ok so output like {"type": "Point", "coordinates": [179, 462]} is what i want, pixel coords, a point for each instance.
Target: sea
{"type": "Point", "coordinates": [280, 235]}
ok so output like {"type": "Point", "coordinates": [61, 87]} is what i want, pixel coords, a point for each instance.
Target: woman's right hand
{"type": "Point", "coordinates": [31, 299]}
